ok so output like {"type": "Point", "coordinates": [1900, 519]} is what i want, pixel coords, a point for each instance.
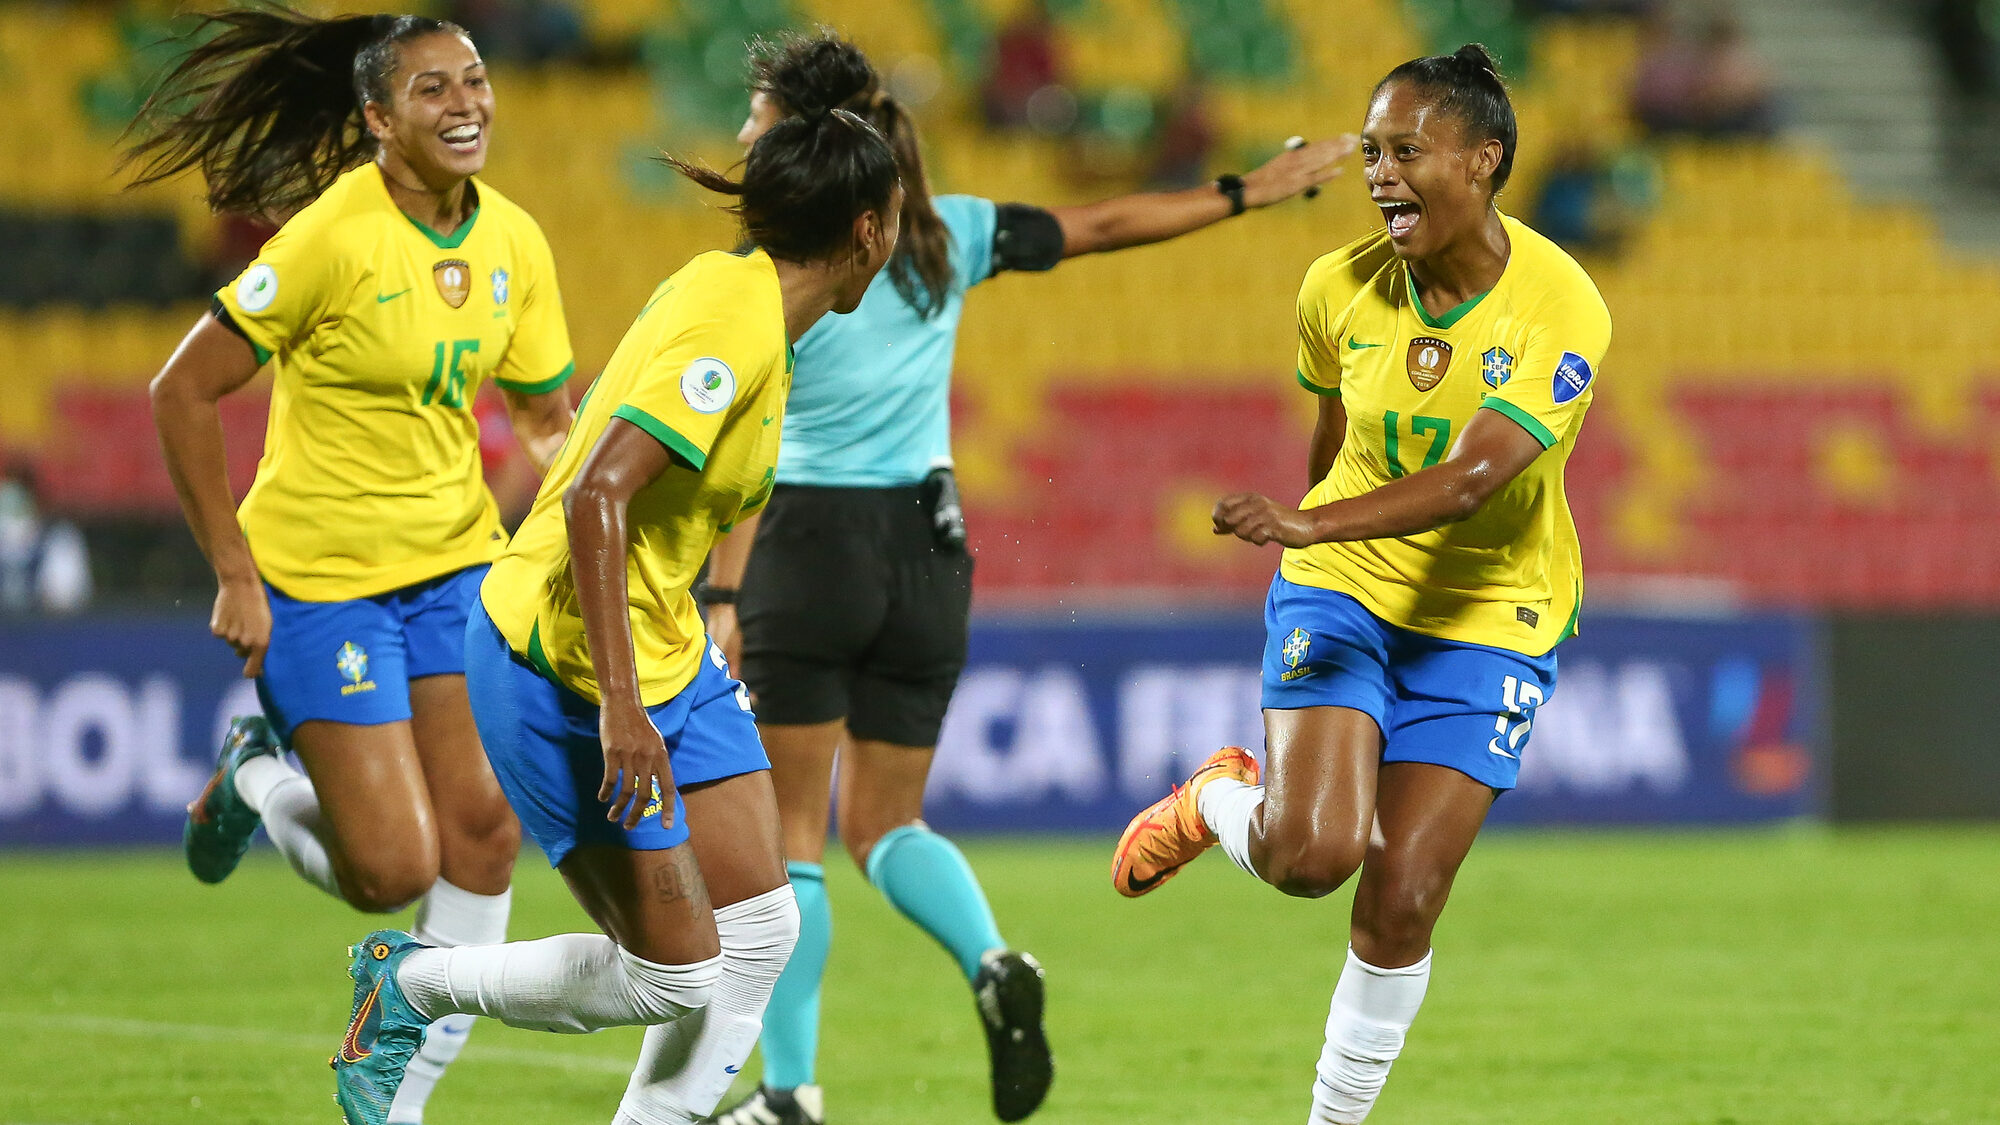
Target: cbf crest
{"type": "Point", "coordinates": [499, 287]}
{"type": "Point", "coordinates": [352, 662]}
{"type": "Point", "coordinates": [1496, 367]}
{"type": "Point", "coordinates": [1298, 646]}
{"type": "Point", "coordinates": [1428, 359]}
{"type": "Point", "coordinates": [454, 281]}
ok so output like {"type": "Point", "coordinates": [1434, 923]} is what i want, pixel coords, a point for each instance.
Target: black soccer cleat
{"type": "Point", "coordinates": [1009, 991]}
{"type": "Point", "coordinates": [766, 1106]}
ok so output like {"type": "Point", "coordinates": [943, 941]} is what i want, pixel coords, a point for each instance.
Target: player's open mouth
{"type": "Point", "coordinates": [463, 138]}
{"type": "Point", "coordinates": [1401, 217]}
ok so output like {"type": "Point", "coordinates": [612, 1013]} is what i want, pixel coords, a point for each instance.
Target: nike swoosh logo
{"type": "Point", "coordinates": [380, 299]}
{"type": "Point", "coordinates": [1357, 346]}
{"type": "Point", "coordinates": [767, 421]}
{"type": "Point", "coordinates": [1493, 747]}
{"type": "Point", "coordinates": [732, 1070]}
{"type": "Point", "coordinates": [350, 1050]}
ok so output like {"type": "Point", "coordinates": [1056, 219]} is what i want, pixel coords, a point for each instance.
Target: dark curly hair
{"type": "Point", "coordinates": [808, 74]}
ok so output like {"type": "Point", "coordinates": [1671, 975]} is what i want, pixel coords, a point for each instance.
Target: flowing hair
{"type": "Point", "coordinates": [267, 104]}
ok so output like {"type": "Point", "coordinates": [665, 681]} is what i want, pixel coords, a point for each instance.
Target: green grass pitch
{"type": "Point", "coordinates": [1791, 977]}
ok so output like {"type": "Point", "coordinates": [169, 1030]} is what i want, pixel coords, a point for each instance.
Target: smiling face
{"type": "Point", "coordinates": [764, 113]}
{"type": "Point", "coordinates": [440, 110]}
{"type": "Point", "coordinates": [1432, 182]}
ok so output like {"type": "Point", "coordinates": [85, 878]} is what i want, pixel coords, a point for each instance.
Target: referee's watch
{"type": "Point", "coordinates": [707, 594]}
{"type": "Point", "coordinates": [1231, 185]}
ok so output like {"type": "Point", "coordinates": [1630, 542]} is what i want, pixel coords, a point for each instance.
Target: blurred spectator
{"type": "Point", "coordinates": [1591, 200]}
{"type": "Point", "coordinates": [1027, 61]}
{"type": "Point", "coordinates": [534, 32]}
{"type": "Point", "coordinates": [1709, 84]}
{"type": "Point", "coordinates": [1186, 139]}
{"type": "Point", "coordinates": [1963, 33]}
{"type": "Point", "coordinates": [43, 565]}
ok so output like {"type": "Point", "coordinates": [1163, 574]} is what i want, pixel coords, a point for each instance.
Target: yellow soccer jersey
{"type": "Point", "coordinates": [380, 333]}
{"type": "Point", "coordinates": [1511, 576]}
{"type": "Point", "coordinates": [705, 370]}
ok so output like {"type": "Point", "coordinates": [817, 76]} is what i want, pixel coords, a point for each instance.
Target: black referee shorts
{"type": "Point", "coordinates": [851, 609]}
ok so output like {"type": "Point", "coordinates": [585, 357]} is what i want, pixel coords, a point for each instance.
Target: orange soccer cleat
{"type": "Point", "coordinates": [1170, 834]}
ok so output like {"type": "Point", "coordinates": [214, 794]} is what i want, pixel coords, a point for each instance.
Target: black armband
{"type": "Point", "coordinates": [220, 312]}
{"type": "Point", "coordinates": [1026, 237]}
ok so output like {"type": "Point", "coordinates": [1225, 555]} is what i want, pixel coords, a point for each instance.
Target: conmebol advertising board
{"type": "Point", "coordinates": [107, 726]}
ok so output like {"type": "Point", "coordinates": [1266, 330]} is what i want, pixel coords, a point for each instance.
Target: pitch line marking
{"type": "Point", "coordinates": [158, 1029]}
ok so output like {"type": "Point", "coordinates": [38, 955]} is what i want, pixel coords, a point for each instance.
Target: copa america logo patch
{"type": "Point", "coordinates": [708, 385]}
{"type": "Point", "coordinates": [1573, 376]}
{"type": "Point", "coordinates": [257, 289]}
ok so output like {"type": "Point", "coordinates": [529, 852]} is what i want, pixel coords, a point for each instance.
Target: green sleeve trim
{"type": "Point", "coordinates": [446, 242]}
{"type": "Point", "coordinates": [1448, 319]}
{"type": "Point", "coordinates": [1315, 388]}
{"type": "Point", "coordinates": [1523, 419]}
{"type": "Point", "coordinates": [551, 383]}
{"type": "Point", "coordinates": [257, 349]}
{"type": "Point", "coordinates": [664, 434]}
{"type": "Point", "coordinates": [791, 357]}
{"type": "Point", "coordinates": [1570, 630]}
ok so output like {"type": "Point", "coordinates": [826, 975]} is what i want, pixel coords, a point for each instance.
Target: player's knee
{"type": "Point", "coordinates": [659, 993]}
{"type": "Point", "coordinates": [860, 833]}
{"type": "Point", "coordinates": [390, 883]}
{"type": "Point", "coordinates": [387, 892]}
{"type": "Point", "coordinates": [1313, 867]}
{"type": "Point", "coordinates": [490, 833]}
{"type": "Point", "coordinates": [1398, 918]}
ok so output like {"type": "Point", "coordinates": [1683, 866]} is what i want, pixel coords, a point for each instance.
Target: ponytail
{"type": "Point", "coordinates": [805, 74]}
{"type": "Point", "coordinates": [1467, 85]}
{"type": "Point", "coordinates": [269, 105]}
{"type": "Point", "coordinates": [805, 182]}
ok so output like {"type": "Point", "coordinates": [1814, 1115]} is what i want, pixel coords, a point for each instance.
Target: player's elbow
{"type": "Point", "coordinates": [1474, 486]}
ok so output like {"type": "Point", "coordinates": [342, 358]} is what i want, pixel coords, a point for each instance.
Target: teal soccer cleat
{"type": "Point", "coordinates": [219, 825]}
{"type": "Point", "coordinates": [382, 1033]}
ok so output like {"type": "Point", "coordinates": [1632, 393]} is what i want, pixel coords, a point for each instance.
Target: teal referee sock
{"type": "Point", "coordinates": [925, 877]}
{"type": "Point", "coordinates": [791, 1022]}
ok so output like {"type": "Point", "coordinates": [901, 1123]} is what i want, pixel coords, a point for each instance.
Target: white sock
{"type": "Point", "coordinates": [1227, 805]}
{"type": "Point", "coordinates": [686, 1067]}
{"type": "Point", "coordinates": [1371, 1013]}
{"type": "Point", "coordinates": [284, 797]}
{"type": "Point", "coordinates": [447, 916]}
{"type": "Point", "coordinates": [572, 983]}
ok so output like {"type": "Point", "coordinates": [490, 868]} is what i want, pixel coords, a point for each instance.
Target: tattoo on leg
{"type": "Point", "coordinates": [680, 880]}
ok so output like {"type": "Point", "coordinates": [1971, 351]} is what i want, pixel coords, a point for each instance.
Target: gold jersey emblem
{"type": "Point", "coordinates": [454, 281]}
{"type": "Point", "coordinates": [1428, 358]}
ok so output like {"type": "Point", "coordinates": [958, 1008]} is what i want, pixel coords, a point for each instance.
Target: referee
{"type": "Point", "coordinates": [848, 620]}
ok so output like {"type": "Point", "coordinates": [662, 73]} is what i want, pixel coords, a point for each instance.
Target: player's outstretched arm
{"type": "Point", "coordinates": [624, 460]}
{"type": "Point", "coordinates": [1136, 220]}
{"type": "Point", "coordinates": [1492, 452]}
{"type": "Point", "coordinates": [211, 362]}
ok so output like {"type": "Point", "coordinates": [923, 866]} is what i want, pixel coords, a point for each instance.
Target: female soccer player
{"type": "Point", "coordinates": [611, 719]}
{"type": "Point", "coordinates": [346, 576]}
{"type": "Point", "coordinates": [855, 601]}
{"type": "Point", "coordinates": [1411, 629]}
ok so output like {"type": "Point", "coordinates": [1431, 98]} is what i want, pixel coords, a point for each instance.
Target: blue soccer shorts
{"type": "Point", "coordinates": [542, 740]}
{"type": "Point", "coordinates": [352, 661]}
{"type": "Point", "coordinates": [1463, 706]}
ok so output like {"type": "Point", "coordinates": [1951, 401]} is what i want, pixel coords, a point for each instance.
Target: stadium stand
{"type": "Point", "coordinates": [1796, 393]}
